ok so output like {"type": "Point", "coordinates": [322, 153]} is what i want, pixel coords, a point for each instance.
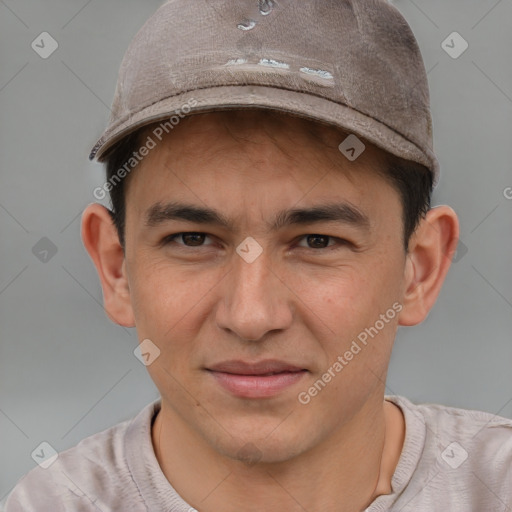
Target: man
{"type": "Point", "coordinates": [270, 171]}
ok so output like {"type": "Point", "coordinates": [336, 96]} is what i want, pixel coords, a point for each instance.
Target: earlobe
{"type": "Point", "coordinates": [101, 241]}
{"type": "Point", "coordinates": [431, 250]}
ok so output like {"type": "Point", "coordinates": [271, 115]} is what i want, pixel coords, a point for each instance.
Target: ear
{"type": "Point", "coordinates": [100, 238]}
{"type": "Point", "coordinates": [431, 249]}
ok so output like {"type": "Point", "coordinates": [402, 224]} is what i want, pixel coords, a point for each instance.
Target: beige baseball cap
{"type": "Point", "coordinates": [354, 64]}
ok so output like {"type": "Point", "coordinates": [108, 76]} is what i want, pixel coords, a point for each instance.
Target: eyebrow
{"type": "Point", "coordinates": [339, 212]}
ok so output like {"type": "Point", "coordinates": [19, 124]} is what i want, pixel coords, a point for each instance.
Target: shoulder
{"type": "Point", "coordinates": [480, 430]}
{"type": "Point", "coordinates": [466, 456]}
{"type": "Point", "coordinates": [480, 433]}
{"type": "Point", "coordinates": [442, 420]}
{"type": "Point", "coordinates": [91, 475]}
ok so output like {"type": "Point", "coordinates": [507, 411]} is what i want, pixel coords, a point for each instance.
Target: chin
{"type": "Point", "coordinates": [255, 449]}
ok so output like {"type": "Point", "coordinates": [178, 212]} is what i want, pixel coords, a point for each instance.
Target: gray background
{"type": "Point", "coordinates": [67, 372]}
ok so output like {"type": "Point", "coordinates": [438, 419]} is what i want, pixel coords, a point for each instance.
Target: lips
{"type": "Point", "coordinates": [260, 379]}
{"type": "Point", "coordinates": [267, 367]}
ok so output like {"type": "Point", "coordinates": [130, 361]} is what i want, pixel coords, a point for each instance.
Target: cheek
{"type": "Point", "coordinates": [361, 306]}
{"type": "Point", "coordinates": [344, 300]}
{"type": "Point", "coordinates": [169, 302]}
{"type": "Point", "coordinates": [152, 297]}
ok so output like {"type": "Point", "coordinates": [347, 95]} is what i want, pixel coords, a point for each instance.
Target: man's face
{"type": "Point", "coordinates": [301, 303]}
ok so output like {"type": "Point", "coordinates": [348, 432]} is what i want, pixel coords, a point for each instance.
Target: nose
{"type": "Point", "coordinates": [255, 300]}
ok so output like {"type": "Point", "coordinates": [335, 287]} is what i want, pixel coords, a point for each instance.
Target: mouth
{"type": "Point", "coordinates": [262, 379]}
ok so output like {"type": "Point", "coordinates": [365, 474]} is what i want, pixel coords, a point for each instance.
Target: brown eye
{"type": "Point", "coordinates": [188, 239]}
{"type": "Point", "coordinates": [318, 241]}
{"type": "Point", "coordinates": [193, 239]}
{"type": "Point", "coordinates": [315, 241]}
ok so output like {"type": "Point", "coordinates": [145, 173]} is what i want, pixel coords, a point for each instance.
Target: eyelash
{"type": "Point", "coordinates": [171, 239]}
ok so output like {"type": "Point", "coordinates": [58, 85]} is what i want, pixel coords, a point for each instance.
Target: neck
{"type": "Point", "coordinates": [345, 473]}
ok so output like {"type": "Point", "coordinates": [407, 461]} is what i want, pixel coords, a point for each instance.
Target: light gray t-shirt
{"type": "Point", "coordinates": [453, 460]}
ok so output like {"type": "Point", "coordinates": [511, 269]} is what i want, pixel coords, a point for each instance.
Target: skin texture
{"type": "Point", "coordinates": [301, 301]}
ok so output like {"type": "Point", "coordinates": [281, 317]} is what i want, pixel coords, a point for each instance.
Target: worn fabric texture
{"type": "Point", "coordinates": [354, 64]}
{"type": "Point", "coordinates": [453, 460]}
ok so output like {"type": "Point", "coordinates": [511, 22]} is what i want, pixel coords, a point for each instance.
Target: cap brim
{"type": "Point", "coordinates": [250, 96]}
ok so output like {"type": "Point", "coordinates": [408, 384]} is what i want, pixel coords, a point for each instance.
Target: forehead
{"type": "Point", "coordinates": [255, 170]}
{"type": "Point", "coordinates": [256, 161]}
{"type": "Point", "coordinates": [254, 166]}
{"type": "Point", "coordinates": [259, 135]}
